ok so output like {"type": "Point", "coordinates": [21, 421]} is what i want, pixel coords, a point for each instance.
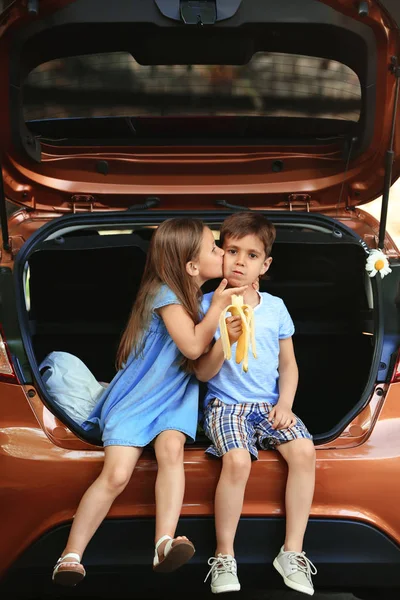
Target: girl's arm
{"type": "Point", "coordinates": [208, 365]}
{"type": "Point", "coordinates": [192, 340]}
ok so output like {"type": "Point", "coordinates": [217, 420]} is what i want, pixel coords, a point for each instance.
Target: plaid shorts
{"type": "Point", "coordinates": [243, 426]}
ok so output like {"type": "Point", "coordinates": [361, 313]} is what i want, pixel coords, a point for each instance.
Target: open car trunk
{"type": "Point", "coordinates": [81, 284]}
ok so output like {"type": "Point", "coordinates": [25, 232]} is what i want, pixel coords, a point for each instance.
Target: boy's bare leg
{"type": "Point", "coordinates": [170, 483]}
{"type": "Point", "coordinates": [300, 457]}
{"type": "Point", "coordinates": [236, 465]}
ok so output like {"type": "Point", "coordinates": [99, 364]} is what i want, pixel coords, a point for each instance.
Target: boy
{"type": "Point", "coordinates": [241, 408]}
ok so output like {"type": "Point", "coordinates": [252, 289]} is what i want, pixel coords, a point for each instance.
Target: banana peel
{"type": "Point", "coordinates": [247, 338]}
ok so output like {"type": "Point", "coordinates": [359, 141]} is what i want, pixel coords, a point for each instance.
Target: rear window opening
{"type": "Point", "coordinates": [128, 76]}
{"type": "Point", "coordinates": [112, 95]}
{"type": "Point", "coordinates": [80, 288]}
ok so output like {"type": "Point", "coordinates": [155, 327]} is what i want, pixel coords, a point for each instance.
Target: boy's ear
{"type": "Point", "coordinates": [192, 269]}
{"type": "Point", "coordinates": [266, 265]}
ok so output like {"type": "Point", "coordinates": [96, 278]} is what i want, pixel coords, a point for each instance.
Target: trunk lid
{"type": "Point", "coordinates": [266, 105]}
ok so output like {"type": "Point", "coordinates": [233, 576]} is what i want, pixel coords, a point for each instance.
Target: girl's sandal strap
{"type": "Point", "coordinates": [162, 539]}
{"type": "Point", "coordinates": [67, 572]}
{"type": "Point", "coordinates": [176, 553]}
{"type": "Point", "coordinates": [69, 555]}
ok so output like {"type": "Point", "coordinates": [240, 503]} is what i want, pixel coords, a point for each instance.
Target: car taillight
{"type": "Point", "coordinates": [7, 372]}
{"type": "Point", "coordinates": [396, 371]}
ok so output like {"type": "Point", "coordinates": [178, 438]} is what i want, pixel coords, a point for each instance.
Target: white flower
{"type": "Point", "coordinates": [377, 263]}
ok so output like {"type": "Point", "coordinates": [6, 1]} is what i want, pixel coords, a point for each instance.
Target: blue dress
{"type": "Point", "coordinates": [151, 393]}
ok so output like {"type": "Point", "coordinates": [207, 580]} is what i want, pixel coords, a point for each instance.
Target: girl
{"type": "Point", "coordinates": [154, 396]}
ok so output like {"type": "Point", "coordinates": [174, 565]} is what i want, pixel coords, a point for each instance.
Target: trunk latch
{"type": "Point", "coordinates": [299, 202]}
{"type": "Point", "coordinates": [198, 12]}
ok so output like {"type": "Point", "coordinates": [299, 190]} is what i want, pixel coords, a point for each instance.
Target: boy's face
{"type": "Point", "coordinates": [244, 260]}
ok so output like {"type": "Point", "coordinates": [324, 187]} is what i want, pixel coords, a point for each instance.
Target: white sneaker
{"type": "Point", "coordinates": [223, 573]}
{"type": "Point", "coordinates": [296, 570]}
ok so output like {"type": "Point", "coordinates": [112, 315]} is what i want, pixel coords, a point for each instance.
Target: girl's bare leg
{"type": "Point", "coordinates": [170, 483]}
{"type": "Point", "coordinates": [119, 464]}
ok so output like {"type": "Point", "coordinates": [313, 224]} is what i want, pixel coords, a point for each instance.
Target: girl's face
{"type": "Point", "coordinates": [210, 260]}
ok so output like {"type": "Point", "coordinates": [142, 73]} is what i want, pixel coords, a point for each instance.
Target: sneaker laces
{"type": "Point", "coordinates": [223, 563]}
{"type": "Point", "coordinates": [300, 562]}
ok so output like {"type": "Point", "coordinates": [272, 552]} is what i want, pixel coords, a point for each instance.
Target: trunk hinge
{"type": "Point", "coordinates": [82, 203]}
{"type": "Point", "coordinates": [299, 202]}
{"type": "Point", "coordinates": [3, 215]}
{"type": "Point", "coordinates": [389, 157]}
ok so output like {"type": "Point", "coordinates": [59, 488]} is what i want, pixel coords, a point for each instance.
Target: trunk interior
{"type": "Point", "coordinates": [81, 287]}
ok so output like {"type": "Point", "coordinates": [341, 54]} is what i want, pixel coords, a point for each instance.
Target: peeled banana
{"type": "Point", "coordinates": [247, 337]}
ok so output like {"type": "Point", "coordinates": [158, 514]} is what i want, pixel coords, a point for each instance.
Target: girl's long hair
{"type": "Point", "coordinates": [174, 243]}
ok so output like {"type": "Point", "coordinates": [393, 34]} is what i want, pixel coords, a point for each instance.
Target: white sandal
{"type": "Point", "coordinates": [176, 553]}
{"type": "Point", "coordinates": [68, 572]}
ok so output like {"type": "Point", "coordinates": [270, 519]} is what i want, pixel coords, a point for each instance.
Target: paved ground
{"type": "Point", "coordinates": [288, 595]}
{"type": "Point", "coordinates": [274, 595]}
{"type": "Point", "coordinates": [279, 595]}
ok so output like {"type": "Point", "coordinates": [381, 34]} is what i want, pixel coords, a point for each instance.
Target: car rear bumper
{"type": "Point", "coordinates": [348, 555]}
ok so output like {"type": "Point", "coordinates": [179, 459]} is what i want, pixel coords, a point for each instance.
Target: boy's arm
{"type": "Point", "coordinates": [288, 378]}
{"type": "Point", "coordinates": [208, 365]}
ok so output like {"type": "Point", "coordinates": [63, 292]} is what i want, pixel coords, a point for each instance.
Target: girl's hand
{"type": "Point", "coordinates": [223, 298]}
{"type": "Point", "coordinates": [282, 417]}
{"type": "Point", "coordinates": [234, 327]}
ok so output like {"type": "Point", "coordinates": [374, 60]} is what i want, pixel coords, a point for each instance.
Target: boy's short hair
{"type": "Point", "coordinates": [247, 223]}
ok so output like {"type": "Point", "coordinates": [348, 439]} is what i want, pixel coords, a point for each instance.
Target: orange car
{"type": "Point", "coordinates": [117, 115]}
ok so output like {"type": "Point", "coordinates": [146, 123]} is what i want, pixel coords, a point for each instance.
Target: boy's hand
{"type": "Point", "coordinates": [234, 327]}
{"type": "Point", "coordinates": [256, 285]}
{"type": "Point", "coordinates": [282, 417]}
